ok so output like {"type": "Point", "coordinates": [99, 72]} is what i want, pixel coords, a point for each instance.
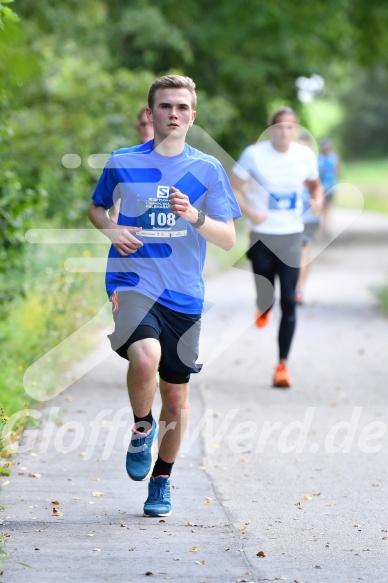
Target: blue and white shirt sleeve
{"type": "Point", "coordinates": [104, 193]}
{"type": "Point", "coordinates": [220, 202]}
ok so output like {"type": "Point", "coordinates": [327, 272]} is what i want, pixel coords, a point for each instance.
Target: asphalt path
{"type": "Point", "coordinates": [270, 484]}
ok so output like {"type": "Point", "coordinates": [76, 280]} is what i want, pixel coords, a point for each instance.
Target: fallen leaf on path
{"type": "Point", "coordinates": [274, 579]}
{"type": "Point", "coordinates": [260, 554]}
{"type": "Point", "coordinates": [193, 549]}
{"type": "Point", "coordinates": [306, 497]}
{"type": "Point", "coordinates": [35, 475]}
{"type": "Point", "coordinates": [98, 494]}
{"type": "Point", "coordinates": [97, 550]}
{"type": "Point", "coordinates": [56, 512]}
{"type": "Point", "coordinates": [55, 502]}
{"type": "Point", "coordinates": [200, 562]}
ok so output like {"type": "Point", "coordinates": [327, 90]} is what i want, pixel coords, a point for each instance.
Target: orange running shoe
{"type": "Point", "coordinates": [281, 377]}
{"type": "Point", "coordinates": [263, 319]}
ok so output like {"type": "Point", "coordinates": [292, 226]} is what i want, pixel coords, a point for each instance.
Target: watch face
{"type": "Point", "coordinates": [201, 219]}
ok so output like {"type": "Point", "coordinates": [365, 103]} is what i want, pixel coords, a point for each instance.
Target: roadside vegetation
{"type": "Point", "coordinates": [73, 79]}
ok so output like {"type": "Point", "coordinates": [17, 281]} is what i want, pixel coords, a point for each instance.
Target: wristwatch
{"type": "Point", "coordinates": [200, 221]}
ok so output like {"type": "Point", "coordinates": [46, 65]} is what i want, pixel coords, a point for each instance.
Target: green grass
{"type": "Point", "coordinates": [382, 296]}
{"type": "Point", "coordinates": [57, 303]}
{"type": "Point", "coordinates": [371, 178]}
{"type": "Point", "coordinates": [373, 172]}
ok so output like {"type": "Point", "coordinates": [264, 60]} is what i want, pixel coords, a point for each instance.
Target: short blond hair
{"type": "Point", "coordinates": [172, 82]}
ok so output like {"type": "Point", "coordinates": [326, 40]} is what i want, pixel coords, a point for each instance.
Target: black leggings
{"type": "Point", "coordinates": [273, 255]}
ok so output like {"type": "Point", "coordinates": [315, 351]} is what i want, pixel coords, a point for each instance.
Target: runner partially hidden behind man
{"type": "Point", "coordinates": [268, 182]}
{"type": "Point", "coordinates": [330, 167]}
{"type": "Point", "coordinates": [146, 133]}
{"type": "Point", "coordinates": [311, 227]}
{"type": "Point", "coordinates": [174, 199]}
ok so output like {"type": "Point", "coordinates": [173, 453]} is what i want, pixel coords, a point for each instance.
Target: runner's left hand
{"type": "Point", "coordinates": [181, 207]}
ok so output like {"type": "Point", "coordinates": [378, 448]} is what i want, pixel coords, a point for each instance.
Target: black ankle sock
{"type": "Point", "coordinates": [143, 424]}
{"type": "Point", "coordinates": [162, 468]}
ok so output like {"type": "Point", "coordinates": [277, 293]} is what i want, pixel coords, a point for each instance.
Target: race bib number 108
{"type": "Point", "coordinates": [157, 220]}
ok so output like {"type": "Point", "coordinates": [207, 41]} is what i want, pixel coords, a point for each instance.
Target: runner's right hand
{"type": "Point", "coordinates": [123, 240]}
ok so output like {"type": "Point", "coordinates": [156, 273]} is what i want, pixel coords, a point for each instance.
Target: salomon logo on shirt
{"type": "Point", "coordinates": [163, 191]}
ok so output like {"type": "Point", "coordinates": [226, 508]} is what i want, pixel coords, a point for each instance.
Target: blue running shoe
{"type": "Point", "coordinates": [158, 502]}
{"type": "Point", "coordinates": [139, 454]}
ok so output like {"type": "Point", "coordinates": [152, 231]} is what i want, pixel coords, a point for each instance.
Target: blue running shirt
{"type": "Point", "coordinates": [328, 164]}
{"type": "Point", "coordinates": [168, 268]}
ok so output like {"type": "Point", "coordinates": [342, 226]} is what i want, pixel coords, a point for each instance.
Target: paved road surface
{"type": "Point", "coordinates": [299, 474]}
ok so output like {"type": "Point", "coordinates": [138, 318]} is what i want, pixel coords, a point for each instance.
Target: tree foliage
{"type": "Point", "coordinates": [6, 13]}
{"type": "Point", "coordinates": [74, 74]}
{"type": "Point", "coordinates": [364, 130]}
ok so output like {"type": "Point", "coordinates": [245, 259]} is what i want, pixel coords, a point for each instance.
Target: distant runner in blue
{"type": "Point", "coordinates": [329, 164]}
{"type": "Point", "coordinates": [173, 199]}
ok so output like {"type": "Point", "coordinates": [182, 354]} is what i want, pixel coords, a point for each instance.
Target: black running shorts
{"type": "Point", "coordinates": [137, 317]}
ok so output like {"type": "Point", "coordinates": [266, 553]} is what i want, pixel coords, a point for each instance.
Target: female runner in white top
{"type": "Point", "coordinates": [268, 181]}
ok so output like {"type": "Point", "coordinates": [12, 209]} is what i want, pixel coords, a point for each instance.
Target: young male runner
{"type": "Point", "coordinates": [174, 199]}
